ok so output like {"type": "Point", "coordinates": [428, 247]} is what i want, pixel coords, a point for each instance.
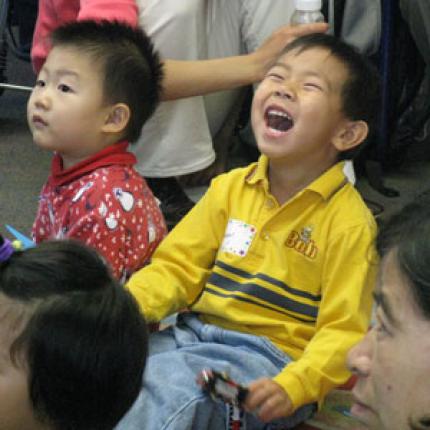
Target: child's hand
{"type": "Point", "coordinates": [268, 400]}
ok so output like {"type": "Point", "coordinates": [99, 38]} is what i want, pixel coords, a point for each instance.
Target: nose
{"type": "Point", "coordinates": [285, 92]}
{"type": "Point", "coordinates": [359, 358]}
{"type": "Point", "coordinates": [41, 98]}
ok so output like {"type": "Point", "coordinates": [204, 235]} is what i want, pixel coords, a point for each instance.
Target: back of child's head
{"type": "Point", "coordinates": [78, 333]}
{"type": "Point", "coordinates": [361, 91]}
{"type": "Point", "coordinates": [131, 68]}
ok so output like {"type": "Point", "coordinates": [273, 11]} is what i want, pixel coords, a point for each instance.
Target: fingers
{"type": "Point", "coordinates": [268, 400]}
{"type": "Point", "coordinates": [301, 30]}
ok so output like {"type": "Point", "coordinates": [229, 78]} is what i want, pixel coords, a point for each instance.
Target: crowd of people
{"type": "Point", "coordinates": [271, 274]}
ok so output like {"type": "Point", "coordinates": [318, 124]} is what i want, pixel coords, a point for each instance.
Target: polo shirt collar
{"type": "Point", "coordinates": [325, 185]}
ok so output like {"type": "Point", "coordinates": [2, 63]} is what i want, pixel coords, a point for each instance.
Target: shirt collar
{"type": "Point", "coordinates": [114, 154]}
{"type": "Point", "coordinates": [325, 185]}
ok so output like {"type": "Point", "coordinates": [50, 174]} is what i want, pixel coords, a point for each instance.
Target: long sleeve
{"type": "Point", "coordinates": [120, 10]}
{"type": "Point", "coordinates": [182, 263]}
{"type": "Point", "coordinates": [53, 13]}
{"type": "Point", "coordinates": [343, 317]}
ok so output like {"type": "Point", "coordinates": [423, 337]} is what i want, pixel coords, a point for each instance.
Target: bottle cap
{"type": "Point", "coordinates": [308, 5]}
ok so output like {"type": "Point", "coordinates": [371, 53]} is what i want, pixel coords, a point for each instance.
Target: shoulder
{"type": "Point", "coordinates": [350, 210]}
{"type": "Point", "coordinates": [235, 177]}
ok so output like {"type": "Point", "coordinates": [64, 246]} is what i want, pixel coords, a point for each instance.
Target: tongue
{"type": "Point", "coordinates": [279, 123]}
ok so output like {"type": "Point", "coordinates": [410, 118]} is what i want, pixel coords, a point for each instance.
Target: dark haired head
{"type": "Point", "coordinates": [81, 337]}
{"type": "Point", "coordinates": [407, 234]}
{"type": "Point", "coordinates": [132, 71]}
{"type": "Point", "coordinates": [361, 91]}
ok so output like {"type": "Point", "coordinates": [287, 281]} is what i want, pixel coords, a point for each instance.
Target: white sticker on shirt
{"type": "Point", "coordinates": [238, 237]}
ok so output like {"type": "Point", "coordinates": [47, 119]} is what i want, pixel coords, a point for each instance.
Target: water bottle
{"type": "Point", "coordinates": [307, 12]}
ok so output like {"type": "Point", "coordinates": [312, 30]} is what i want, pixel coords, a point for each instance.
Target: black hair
{"type": "Point", "coordinates": [83, 339]}
{"type": "Point", "coordinates": [407, 233]}
{"type": "Point", "coordinates": [131, 67]}
{"type": "Point", "coordinates": [361, 92]}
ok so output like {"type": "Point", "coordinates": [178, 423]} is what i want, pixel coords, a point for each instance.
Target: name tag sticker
{"type": "Point", "coordinates": [238, 237]}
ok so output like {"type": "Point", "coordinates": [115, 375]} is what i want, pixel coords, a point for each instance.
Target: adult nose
{"type": "Point", "coordinates": [359, 358]}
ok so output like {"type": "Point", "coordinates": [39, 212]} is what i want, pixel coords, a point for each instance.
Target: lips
{"type": "Point", "coordinates": [38, 121]}
{"type": "Point", "coordinates": [360, 410]}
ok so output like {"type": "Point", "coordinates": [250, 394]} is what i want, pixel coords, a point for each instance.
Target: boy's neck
{"type": "Point", "coordinates": [109, 140]}
{"type": "Point", "coordinates": [285, 181]}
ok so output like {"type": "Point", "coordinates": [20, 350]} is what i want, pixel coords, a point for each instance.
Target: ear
{"type": "Point", "coordinates": [117, 118]}
{"type": "Point", "coordinates": [350, 135]}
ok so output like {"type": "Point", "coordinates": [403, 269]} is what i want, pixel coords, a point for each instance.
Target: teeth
{"type": "Point", "coordinates": [274, 112]}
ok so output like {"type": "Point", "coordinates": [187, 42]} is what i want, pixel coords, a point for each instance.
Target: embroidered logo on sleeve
{"type": "Point", "coordinates": [238, 237]}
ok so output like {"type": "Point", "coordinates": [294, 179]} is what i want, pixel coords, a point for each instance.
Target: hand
{"type": "Point", "coordinates": [266, 55]}
{"type": "Point", "coordinates": [268, 400]}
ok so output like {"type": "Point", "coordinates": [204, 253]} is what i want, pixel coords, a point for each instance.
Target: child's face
{"type": "Point", "coordinates": [392, 363]}
{"type": "Point", "coordinates": [66, 110]}
{"type": "Point", "coordinates": [16, 412]}
{"type": "Point", "coordinates": [297, 108]}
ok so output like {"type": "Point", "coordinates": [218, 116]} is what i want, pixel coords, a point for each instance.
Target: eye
{"type": "Point", "coordinates": [380, 327]}
{"type": "Point", "coordinates": [313, 86]}
{"type": "Point", "coordinates": [40, 83]}
{"type": "Point", "coordinates": [65, 88]}
{"type": "Point", "coordinates": [274, 76]}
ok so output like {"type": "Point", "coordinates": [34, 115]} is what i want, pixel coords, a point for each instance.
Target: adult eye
{"type": "Point", "coordinates": [380, 327]}
{"type": "Point", "coordinates": [65, 88]}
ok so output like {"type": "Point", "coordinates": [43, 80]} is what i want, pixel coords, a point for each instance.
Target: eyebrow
{"type": "Point", "coordinates": [381, 300]}
{"type": "Point", "coordinates": [66, 72]}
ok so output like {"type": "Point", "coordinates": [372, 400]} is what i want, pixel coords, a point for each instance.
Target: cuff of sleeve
{"type": "Point", "coordinates": [294, 388]}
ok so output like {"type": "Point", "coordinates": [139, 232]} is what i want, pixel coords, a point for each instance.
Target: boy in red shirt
{"type": "Point", "coordinates": [98, 86]}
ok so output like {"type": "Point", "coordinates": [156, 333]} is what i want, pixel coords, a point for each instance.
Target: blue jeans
{"type": "Point", "coordinates": [171, 399]}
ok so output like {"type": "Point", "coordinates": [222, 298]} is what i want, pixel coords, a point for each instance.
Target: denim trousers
{"type": "Point", "coordinates": [171, 399]}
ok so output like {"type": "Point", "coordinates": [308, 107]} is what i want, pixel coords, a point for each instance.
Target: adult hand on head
{"type": "Point", "coordinates": [266, 55]}
{"type": "Point", "coordinates": [268, 400]}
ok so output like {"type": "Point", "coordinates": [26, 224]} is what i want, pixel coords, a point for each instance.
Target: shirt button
{"type": "Point", "coordinates": [269, 204]}
{"type": "Point", "coordinates": [266, 236]}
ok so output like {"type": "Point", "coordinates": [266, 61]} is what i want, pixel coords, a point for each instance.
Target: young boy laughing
{"type": "Point", "coordinates": [276, 260]}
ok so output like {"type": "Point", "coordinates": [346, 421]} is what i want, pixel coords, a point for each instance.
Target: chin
{"type": "Point", "coordinates": [46, 146]}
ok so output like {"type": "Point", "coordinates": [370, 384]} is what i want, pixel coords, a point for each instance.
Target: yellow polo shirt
{"type": "Point", "coordinates": [300, 274]}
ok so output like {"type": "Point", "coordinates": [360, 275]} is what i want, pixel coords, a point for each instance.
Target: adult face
{"type": "Point", "coordinates": [392, 363]}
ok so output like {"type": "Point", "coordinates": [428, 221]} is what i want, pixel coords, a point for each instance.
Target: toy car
{"type": "Point", "coordinates": [221, 386]}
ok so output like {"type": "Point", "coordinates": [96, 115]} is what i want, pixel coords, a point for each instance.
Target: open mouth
{"type": "Point", "coordinates": [278, 119]}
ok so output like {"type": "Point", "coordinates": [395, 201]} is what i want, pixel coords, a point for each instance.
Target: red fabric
{"type": "Point", "coordinates": [112, 155]}
{"type": "Point", "coordinates": [105, 203]}
{"type": "Point", "coordinates": [53, 13]}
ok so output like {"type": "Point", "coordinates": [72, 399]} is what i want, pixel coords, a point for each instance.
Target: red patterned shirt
{"type": "Point", "coordinates": [105, 203]}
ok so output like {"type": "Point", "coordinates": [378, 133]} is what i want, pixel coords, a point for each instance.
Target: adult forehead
{"type": "Point", "coordinates": [395, 291]}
